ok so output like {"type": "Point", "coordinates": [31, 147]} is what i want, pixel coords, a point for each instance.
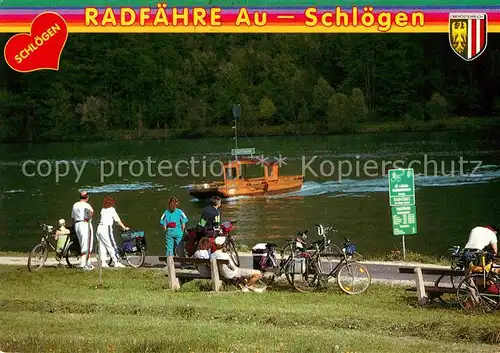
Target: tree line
{"type": "Point", "coordinates": [186, 85]}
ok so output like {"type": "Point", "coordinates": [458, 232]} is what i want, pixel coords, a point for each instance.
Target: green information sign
{"type": "Point", "coordinates": [404, 220]}
{"type": "Point", "coordinates": [401, 187]}
{"type": "Point", "coordinates": [242, 151]}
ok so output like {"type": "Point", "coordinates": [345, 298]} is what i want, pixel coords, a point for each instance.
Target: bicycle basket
{"type": "Point", "coordinates": [350, 249]}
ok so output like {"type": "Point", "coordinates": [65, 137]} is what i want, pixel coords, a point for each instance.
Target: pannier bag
{"type": "Point", "coordinates": [259, 253]}
{"type": "Point", "coordinates": [132, 238]}
{"type": "Point", "coordinates": [129, 246]}
{"type": "Point", "coordinates": [132, 234]}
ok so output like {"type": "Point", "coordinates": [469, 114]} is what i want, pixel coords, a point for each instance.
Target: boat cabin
{"type": "Point", "coordinates": [239, 170]}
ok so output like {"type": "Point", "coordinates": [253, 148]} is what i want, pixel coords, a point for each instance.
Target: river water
{"type": "Point", "coordinates": [457, 184]}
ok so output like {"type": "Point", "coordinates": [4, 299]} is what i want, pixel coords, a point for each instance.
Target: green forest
{"type": "Point", "coordinates": [166, 85]}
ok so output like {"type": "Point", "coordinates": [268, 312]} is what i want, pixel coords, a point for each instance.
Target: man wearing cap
{"type": "Point", "coordinates": [81, 215]}
{"type": "Point", "coordinates": [232, 271]}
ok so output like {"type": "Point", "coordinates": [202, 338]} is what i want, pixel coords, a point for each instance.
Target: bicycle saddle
{"type": "Point", "coordinates": [271, 245]}
{"type": "Point", "coordinates": [303, 232]}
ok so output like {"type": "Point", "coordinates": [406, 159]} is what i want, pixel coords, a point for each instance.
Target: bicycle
{"type": "Point", "coordinates": [346, 269]}
{"type": "Point", "coordinates": [396, 178]}
{"type": "Point", "coordinates": [70, 251]}
{"type": "Point", "coordinates": [316, 274]}
{"type": "Point", "coordinates": [225, 231]}
{"type": "Point", "coordinates": [297, 259]}
{"type": "Point", "coordinates": [269, 265]}
{"type": "Point", "coordinates": [189, 242]}
{"type": "Point", "coordinates": [456, 264]}
{"type": "Point", "coordinates": [480, 289]}
{"type": "Point", "coordinates": [133, 249]}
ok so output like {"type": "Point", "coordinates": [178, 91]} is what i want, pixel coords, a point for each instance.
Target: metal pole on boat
{"type": "Point", "coordinates": [236, 115]}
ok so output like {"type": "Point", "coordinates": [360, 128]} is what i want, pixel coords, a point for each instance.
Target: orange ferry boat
{"type": "Point", "coordinates": [235, 183]}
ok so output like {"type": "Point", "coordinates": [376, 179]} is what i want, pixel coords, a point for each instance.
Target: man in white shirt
{"type": "Point", "coordinates": [81, 215]}
{"type": "Point", "coordinates": [482, 237]}
{"type": "Point", "coordinates": [232, 271]}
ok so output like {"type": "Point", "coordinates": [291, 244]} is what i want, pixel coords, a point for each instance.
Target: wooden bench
{"type": "Point", "coordinates": [212, 264]}
{"type": "Point", "coordinates": [425, 294]}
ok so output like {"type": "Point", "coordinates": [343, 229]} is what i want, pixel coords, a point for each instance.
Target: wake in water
{"type": "Point", "coordinates": [120, 187]}
{"type": "Point", "coordinates": [350, 187]}
{"type": "Point", "coordinates": [359, 188]}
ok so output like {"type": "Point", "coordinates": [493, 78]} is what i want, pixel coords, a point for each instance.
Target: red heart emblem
{"type": "Point", "coordinates": [42, 48]}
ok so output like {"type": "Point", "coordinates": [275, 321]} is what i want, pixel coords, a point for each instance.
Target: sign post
{"type": "Point", "coordinates": [236, 116]}
{"type": "Point", "coordinates": [402, 202]}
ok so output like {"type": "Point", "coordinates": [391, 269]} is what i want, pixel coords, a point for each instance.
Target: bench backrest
{"type": "Point", "coordinates": [432, 271]}
{"type": "Point", "coordinates": [190, 260]}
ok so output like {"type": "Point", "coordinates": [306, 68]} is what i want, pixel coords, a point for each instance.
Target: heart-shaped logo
{"type": "Point", "coordinates": [42, 48]}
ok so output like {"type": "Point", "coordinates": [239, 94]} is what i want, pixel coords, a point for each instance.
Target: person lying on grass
{"type": "Point", "coordinates": [248, 276]}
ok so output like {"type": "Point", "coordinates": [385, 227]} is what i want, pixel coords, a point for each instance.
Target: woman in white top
{"type": "Point", "coordinates": [105, 232]}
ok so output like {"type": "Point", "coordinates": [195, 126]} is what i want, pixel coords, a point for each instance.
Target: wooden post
{"type": "Point", "coordinates": [99, 261]}
{"type": "Point", "coordinates": [172, 278]}
{"type": "Point", "coordinates": [214, 271]}
{"type": "Point", "coordinates": [419, 281]}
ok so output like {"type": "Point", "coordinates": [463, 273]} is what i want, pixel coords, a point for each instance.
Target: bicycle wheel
{"type": "Point", "coordinates": [73, 254]}
{"type": "Point", "coordinates": [353, 278]}
{"type": "Point", "coordinates": [477, 293]}
{"type": "Point", "coordinates": [303, 275]}
{"type": "Point", "coordinates": [136, 259]}
{"type": "Point", "coordinates": [233, 253]}
{"type": "Point", "coordinates": [38, 256]}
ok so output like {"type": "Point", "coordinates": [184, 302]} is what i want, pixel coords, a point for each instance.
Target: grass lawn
{"type": "Point", "coordinates": [61, 310]}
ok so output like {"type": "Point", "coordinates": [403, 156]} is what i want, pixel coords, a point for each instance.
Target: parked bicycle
{"type": "Point", "coordinates": [189, 243]}
{"type": "Point", "coordinates": [456, 264]}
{"type": "Point", "coordinates": [39, 253]}
{"type": "Point", "coordinates": [269, 265]}
{"type": "Point", "coordinates": [480, 289]}
{"type": "Point", "coordinates": [352, 277]}
{"type": "Point", "coordinates": [308, 266]}
{"type": "Point", "coordinates": [133, 248]}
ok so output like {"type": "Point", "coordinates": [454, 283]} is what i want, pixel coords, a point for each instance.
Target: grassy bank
{"type": "Point", "coordinates": [58, 310]}
{"type": "Point", "coordinates": [403, 125]}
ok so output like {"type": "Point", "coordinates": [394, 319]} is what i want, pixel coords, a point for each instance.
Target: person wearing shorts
{"type": "Point", "coordinates": [231, 271]}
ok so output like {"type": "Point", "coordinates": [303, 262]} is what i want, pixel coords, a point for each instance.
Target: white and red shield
{"type": "Point", "coordinates": [468, 34]}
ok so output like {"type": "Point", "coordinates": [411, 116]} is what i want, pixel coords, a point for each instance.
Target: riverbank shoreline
{"type": "Point", "coordinates": [455, 124]}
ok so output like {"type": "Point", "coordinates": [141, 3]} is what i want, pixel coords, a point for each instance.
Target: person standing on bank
{"type": "Point", "coordinates": [81, 215]}
{"type": "Point", "coordinates": [105, 235]}
{"type": "Point", "coordinates": [173, 222]}
{"type": "Point", "coordinates": [210, 218]}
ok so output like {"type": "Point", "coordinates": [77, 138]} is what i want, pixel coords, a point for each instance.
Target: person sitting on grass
{"type": "Point", "coordinates": [231, 271]}
{"type": "Point", "coordinates": [203, 252]}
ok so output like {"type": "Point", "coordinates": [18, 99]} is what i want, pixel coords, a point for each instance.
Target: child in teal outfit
{"type": "Point", "coordinates": [173, 221]}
